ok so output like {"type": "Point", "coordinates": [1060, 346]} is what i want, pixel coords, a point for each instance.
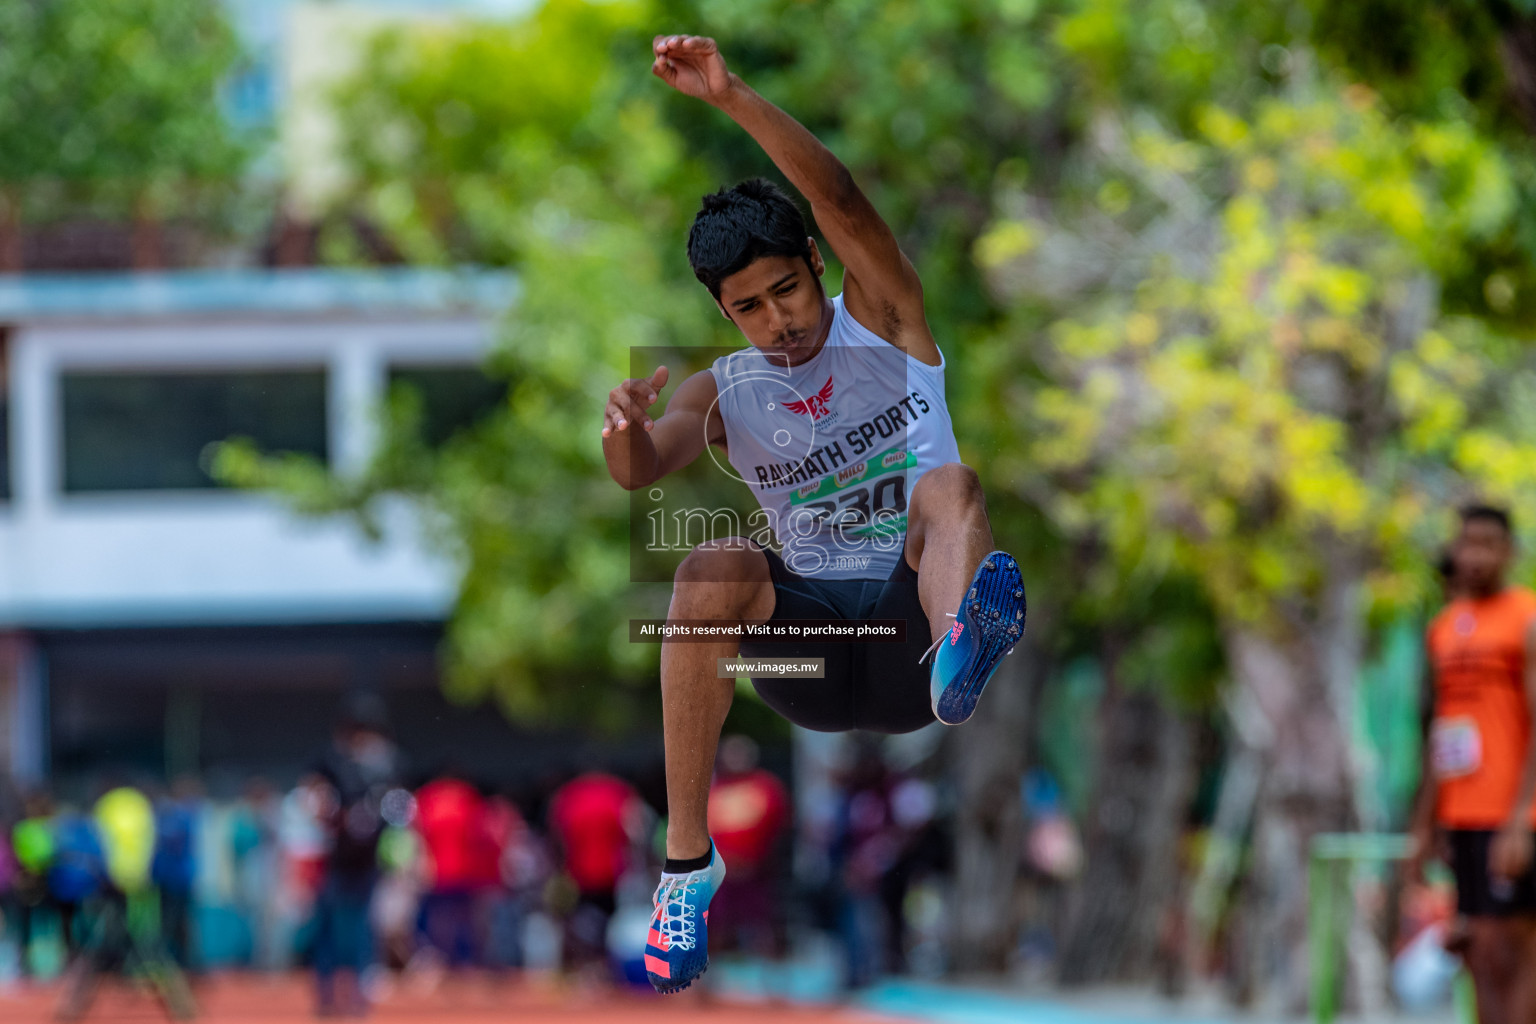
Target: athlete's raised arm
{"type": "Point", "coordinates": [639, 451]}
{"type": "Point", "coordinates": [880, 287]}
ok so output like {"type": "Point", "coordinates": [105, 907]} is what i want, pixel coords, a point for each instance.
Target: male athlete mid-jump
{"type": "Point", "coordinates": [835, 417]}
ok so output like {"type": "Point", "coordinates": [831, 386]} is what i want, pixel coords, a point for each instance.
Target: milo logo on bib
{"type": "Point", "coordinates": [852, 472]}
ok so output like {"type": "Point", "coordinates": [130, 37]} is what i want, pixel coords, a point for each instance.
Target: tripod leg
{"type": "Point", "coordinates": [147, 948]}
{"type": "Point", "coordinates": [84, 971]}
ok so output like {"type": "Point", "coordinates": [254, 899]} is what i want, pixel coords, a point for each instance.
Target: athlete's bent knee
{"type": "Point", "coordinates": [953, 483]}
{"type": "Point", "coordinates": [732, 560]}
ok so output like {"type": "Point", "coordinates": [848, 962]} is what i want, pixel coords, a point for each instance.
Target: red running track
{"type": "Point", "coordinates": [265, 999]}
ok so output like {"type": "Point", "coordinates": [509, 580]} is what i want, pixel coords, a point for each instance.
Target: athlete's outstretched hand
{"type": "Point", "coordinates": [627, 402]}
{"type": "Point", "coordinates": [692, 65]}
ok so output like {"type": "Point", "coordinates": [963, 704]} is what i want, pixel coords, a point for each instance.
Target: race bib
{"type": "Point", "coordinates": [1455, 747]}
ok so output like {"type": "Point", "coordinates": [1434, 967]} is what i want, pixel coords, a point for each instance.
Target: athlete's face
{"type": "Point", "coordinates": [1482, 555]}
{"type": "Point", "coordinates": [779, 304]}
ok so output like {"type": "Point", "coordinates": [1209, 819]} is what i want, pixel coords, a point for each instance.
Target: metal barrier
{"type": "Point", "coordinates": [1330, 901]}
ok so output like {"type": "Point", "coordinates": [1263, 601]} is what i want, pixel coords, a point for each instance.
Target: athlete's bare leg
{"type": "Point", "coordinates": [1495, 957]}
{"type": "Point", "coordinates": [947, 537]}
{"type": "Point", "coordinates": [720, 581]}
{"type": "Point", "coordinates": [1522, 991]}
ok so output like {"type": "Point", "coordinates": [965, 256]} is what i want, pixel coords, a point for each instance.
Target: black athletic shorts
{"type": "Point", "coordinates": [1478, 894]}
{"type": "Point", "coordinates": [876, 685]}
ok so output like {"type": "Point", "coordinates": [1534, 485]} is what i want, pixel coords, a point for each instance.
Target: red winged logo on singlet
{"type": "Point", "coordinates": [816, 405]}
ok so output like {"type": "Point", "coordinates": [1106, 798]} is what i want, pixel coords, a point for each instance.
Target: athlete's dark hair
{"type": "Point", "coordinates": [1488, 513]}
{"type": "Point", "coordinates": [738, 225]}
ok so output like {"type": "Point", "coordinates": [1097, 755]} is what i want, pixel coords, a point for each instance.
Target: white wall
{"type": "Point", "coordinates": [212, 556]}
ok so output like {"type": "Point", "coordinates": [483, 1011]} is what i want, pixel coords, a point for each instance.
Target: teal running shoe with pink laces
{"type": "Point", "coordinates": [677, 948]}
{"type": "Point", "coordinates": [986, 628]}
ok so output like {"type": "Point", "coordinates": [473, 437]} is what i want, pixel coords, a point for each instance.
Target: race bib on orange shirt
{"type": "Point", "coordinates": [1455, 747]}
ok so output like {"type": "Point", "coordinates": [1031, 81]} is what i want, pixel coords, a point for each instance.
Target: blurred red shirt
{"type": "Point", "coordinates": [590, 815]}
{"type": "Point", "coordinates": [449, 814]}
{"type": "Point", "coordinates": [746, 814]}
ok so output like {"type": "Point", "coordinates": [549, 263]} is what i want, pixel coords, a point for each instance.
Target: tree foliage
{"type": "Point", "coordinates": [474, 144]}
{"type": "Point", "coordinates": [113, 106]}
{"type": "Point", "coordinates": [1258, 360]}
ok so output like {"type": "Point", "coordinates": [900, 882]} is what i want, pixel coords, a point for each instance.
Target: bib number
{"type": "Point", "coordinates": [1455, 747]}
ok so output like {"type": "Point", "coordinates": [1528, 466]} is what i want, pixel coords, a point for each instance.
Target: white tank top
{"type": "Point", "coordinates": [833, 447]}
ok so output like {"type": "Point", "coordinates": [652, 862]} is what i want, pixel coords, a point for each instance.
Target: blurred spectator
{"type": "Point", "coordinates": [594, 818]}
{"type": "Point", "coordinates": [253, 825]}
{"type": "Point", "coordinates": [124, 931]}
{"type": "Point", "coordinates": [358, 769]}
{"type": "Point", "coordinates": [175, 865]}
{"type": "Point", "coordinates": [527, 866]}
{"type": "Point", "coordinates": [76, 872]}
{"type": "Point", "coordinates": [499, 909]}
{"type": "Point", "coordinates": [10, 872]}
{"type": "Point", "coordinates": [32, 848]}
{"type": "Point", "coordinates": [126, 823]}
{"type": "Point", "coordinates": [923, 853]}
{"type": "Point", "coordinates": [398, 896]}
{"type": "Point", "coordinates": [302, 844]}
{"type": "Point", "coordinates": [450, 816]}
{"type": "Point", "coordinates": [866, 848]}
{"type": "Point", "coordinates": [748, 818]}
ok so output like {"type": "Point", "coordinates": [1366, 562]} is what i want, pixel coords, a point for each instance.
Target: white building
{"type": "Point", "coordinates": [153, 620]}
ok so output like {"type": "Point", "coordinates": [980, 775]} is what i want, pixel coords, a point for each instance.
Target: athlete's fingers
{"type": "Point", "coordinates": [620, 408]}
{"type": "Point", "coordinates": [623, 414]}
{"type": "Point", "coordinates": [643, 392]}
{"type": "Point", "coordinates": [658, 380]}
{"type": "Point", "coordinates": [634, 394]}
{"type": "Point", "coordinates": [631, 400]}
{"type": "Point", "coordinates": [641, 397]}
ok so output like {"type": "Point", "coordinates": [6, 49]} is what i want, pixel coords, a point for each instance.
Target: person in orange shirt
{"type": "Point", "coordinates": [1480, 778]}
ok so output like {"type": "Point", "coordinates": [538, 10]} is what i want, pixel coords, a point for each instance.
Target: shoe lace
{"type": "Point", "coordinates": [935, 645]}
{"type": "Point", "coordinates": [672, 895]}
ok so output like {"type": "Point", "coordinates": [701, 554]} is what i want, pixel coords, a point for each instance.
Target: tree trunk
{"type": "Point", "coordinates": [988, 754]}
{"type": "Point", "coordinates": [1517, 54]}
{"type": "Point", "coordinates": [1130, 886]}
{"type": "Point", "coordinates": [293, 242]}
{"type": "Point", "coordinates": [147, 245]}
{"type": "Point", "coordinates": [1294, 685]}
{"type": "Point", "coordinates": [11, 260]}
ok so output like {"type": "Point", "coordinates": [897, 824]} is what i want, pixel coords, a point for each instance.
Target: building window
{"type": "Point", "coordinates": [149, 431]}
{"type": "Point", "coordinates": [452, 397]}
